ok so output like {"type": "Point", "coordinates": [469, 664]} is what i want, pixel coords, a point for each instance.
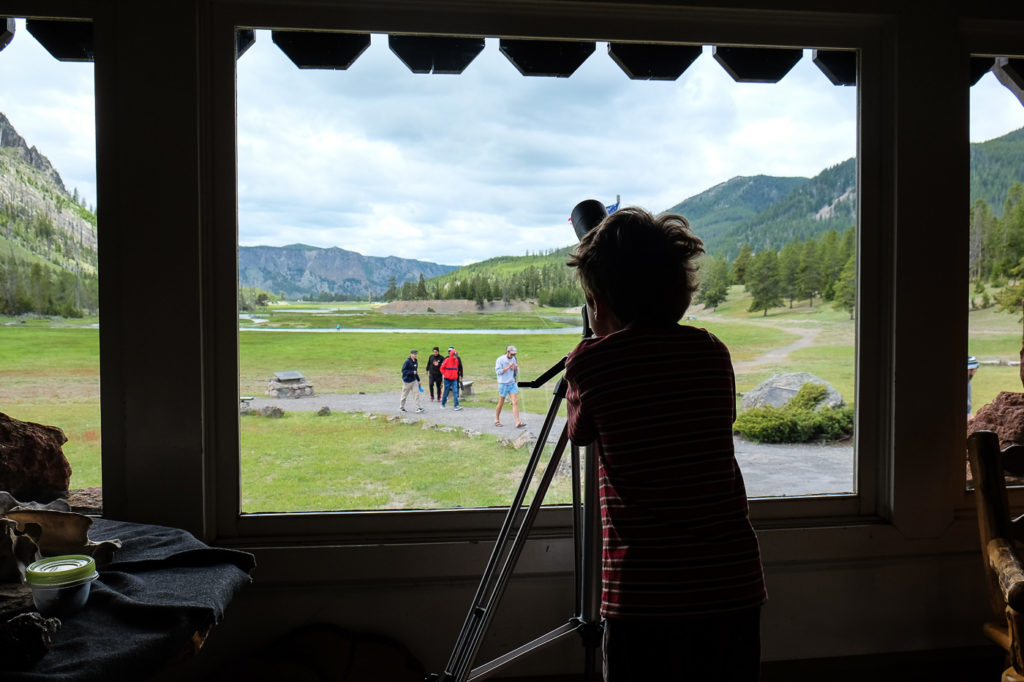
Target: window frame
{"type": "Point", "coordinates": [658, 24]}
{"type": "Point", "coordinates": [986, 38]}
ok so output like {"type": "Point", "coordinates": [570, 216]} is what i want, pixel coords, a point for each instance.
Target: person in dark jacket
{"type": "Point", "coordinates": [411, 381]}
{"type": "Point", "coordinates": [434, 372]}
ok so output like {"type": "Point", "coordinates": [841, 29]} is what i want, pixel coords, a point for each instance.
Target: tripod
{"type": "Point", "coordinates": [586, 555]}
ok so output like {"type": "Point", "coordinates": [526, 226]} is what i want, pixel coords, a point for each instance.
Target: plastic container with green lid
{"type": "Point", "coordinates": [60, 585]}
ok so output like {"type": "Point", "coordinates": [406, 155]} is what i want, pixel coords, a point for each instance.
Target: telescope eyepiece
{"type": "Point", "coordinates": [587, 215]}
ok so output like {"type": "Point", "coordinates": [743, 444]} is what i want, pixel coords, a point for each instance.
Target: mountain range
{"type": "Point", "coordinates": [41, 222]}
{"type": "Point", "coordinates": [298, 270]}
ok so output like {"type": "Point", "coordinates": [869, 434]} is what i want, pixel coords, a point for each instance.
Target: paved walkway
{"type": "Point", "coordinates": [769, 470]}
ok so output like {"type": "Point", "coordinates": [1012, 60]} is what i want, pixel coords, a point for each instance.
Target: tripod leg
{"type": "Point", "coordinates": [592, 628]}
{"type": "Point", "coordinates": [478, 617]}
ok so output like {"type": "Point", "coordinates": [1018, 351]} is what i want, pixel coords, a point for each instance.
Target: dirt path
{"type": "Point", "coordinates": [806, 339]}
{"type": "Point", "coordinates": [769, 470]}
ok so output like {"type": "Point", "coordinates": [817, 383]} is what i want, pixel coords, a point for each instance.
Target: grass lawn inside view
{"type": "Point", "coordinates": [303, 462]}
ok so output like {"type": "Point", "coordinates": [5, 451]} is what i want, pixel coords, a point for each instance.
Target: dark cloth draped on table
{"type": "Point", "coordinates": [162, 586]}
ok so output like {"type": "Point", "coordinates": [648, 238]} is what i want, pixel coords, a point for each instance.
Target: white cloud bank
{"type": "Point", "coordinates": [455, 169]}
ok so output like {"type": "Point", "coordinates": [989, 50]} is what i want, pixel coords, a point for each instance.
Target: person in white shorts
{"type": "Point", "coordinates": [507, 370]}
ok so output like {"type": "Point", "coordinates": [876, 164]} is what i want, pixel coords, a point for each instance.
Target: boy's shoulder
{"type": "Point", "coordinates": [645, 336]}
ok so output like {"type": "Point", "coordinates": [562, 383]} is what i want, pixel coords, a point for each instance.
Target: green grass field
{"type": "Point", "coordinates": [350, 462]}
{"type": "Point", "coordinates": [49, 373]}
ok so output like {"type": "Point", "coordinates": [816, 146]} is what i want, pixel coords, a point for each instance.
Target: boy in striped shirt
{"type": "Point", "coordinates": [682, 580]}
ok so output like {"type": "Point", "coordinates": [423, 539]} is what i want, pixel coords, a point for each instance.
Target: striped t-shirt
{"type": "Point", "coordinates": [660, 402]}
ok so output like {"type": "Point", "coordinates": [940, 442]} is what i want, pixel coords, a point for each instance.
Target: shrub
{"type": "Point", "coordinates": [798, 421]}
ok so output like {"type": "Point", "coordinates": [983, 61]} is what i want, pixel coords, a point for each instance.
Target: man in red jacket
{"type": "Point", "coordinates": [451, 370]}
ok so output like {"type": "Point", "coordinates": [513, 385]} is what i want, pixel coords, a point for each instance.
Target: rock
{"type": "Point", "coordinates": [521, 439]}
{"type": "Point", "coordinates": [25, 639]}
{"type": "Point", "coordinates": [86, 500]}
{"type": "Point", "coordinates": [272, 411]}
{"type": "Point", "coordinates": [32, 463]}
{"type": "Point", "coordinates": [323, 411]}
{"type": "Point", "coordinates": [1004, 416]}
{"type": "Point", "coordinates": [779, 389]}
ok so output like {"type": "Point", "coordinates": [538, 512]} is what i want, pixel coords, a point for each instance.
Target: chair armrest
{"type": "Point", "coordinates": [1004, 561]}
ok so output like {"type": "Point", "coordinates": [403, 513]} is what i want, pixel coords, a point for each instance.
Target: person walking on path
{"type": "Point", "coordinates": [434, 372]}
{"type": "Point", "coordinates": [507, 369]}
{"type": "Point", "coordinates": [451, 370]}
{"type": "Point", "coordinates": [411, 381]}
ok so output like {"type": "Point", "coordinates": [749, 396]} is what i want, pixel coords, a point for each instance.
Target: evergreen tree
{"type": "Point", "coordinates": [831, 258]}
{"type": "Point", "coordinates": [809, 272]}
{"type": "Point", "coordinates": [849, 245]}
{"type": "Point", "coordinates": [981, 236]}
{"type": "Point", "coordinates": [846, 287]}
{"type": "Point", "coordinates": [763, 282]}
{"type": "Point", "coordinates": [392, 292]}
{"type": "Point", "coordinates": [1006, 244]}
{"type": "Point", "coordinates": [740, 265]}
{"type": "Point", "coordinates": [421, 288]}
{"type": "Point", "coordinates": [714, 283]}
{"type": "Point", "coordinates": [789, 269]}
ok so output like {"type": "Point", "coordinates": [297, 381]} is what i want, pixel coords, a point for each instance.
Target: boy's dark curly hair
{"type": "Point", "coordinates": [644, 267]}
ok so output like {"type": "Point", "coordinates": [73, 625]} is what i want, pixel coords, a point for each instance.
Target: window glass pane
{"type": "Point", "coordinates": [49, 323]}
{"type": "Point", "coordinates": [352, 183]}
{"type": "Point", "coordinates": [996, 223]}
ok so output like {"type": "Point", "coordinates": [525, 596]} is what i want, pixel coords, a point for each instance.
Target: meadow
{"type": "Point", "coordinates": [49, 373]}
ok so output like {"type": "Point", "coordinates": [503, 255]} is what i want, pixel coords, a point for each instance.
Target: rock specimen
{"type": "Point", "coordinates": [779, 389]}
{"type": "Point", "coordinates": [25, 639]}
{"type": "Point", "coordinates": [1004, 416]}
{"type": "Point", "coordinates": [32, 463]}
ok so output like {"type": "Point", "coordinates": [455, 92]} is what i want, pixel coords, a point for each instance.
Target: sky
{"type": "Point", "coordinates": [457, 169]}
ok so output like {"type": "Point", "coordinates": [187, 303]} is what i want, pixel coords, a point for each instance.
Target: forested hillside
{"type": "Point", "coordinates": [996, 258]}
{"type": "Point", "coordinates": [47, 237]}
{"type": "Point", "coordinates": [714, 212]}
{"type": "Point", "coordinates": [996, 166]}
{"type": "Point", "coordinates": [542, 276]}
{"type": "Point", "coordinates": [826, 202]}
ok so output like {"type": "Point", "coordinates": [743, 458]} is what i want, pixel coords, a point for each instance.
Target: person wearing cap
{"type": "Point", "coordinates": [972, 369]}
{"type": "Point", "coordinates": [411, 381]}
{"type": "Point", "coordinates": [507, 370]}
{"type": "Point", "coordinates": [434, 372]}
{"type": "Point", "coordinates": [451, 370]}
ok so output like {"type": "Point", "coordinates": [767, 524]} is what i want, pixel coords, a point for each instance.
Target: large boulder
{"type": "Point", "coordinates": [1004, 416]}
{"type": "Point", "coordinates": [779, 389]}
{"type": "Point", "coordinates": [32, 463]}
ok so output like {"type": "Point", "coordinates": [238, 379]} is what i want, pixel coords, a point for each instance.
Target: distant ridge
{"type": "Point", "coordinates": [768, 212]}
{"type": "Point", "coordinates": [300, 270]}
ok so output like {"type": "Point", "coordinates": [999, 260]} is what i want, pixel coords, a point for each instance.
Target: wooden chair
{"type": "Point", "coordinates": [1004, 570]}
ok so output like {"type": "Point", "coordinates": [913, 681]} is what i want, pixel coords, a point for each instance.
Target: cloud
{"type": "Point", "coordinates": [456, 169]}
{"type": "Point", "coordinates": [491, 162]}
{"type": "Point", "coordinates": [51, 104]}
